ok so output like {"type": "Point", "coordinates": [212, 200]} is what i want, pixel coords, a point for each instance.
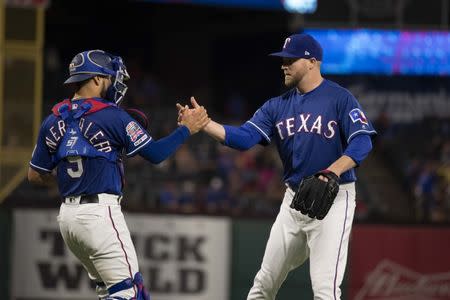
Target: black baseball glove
{"type": "Point", "coordinates": [139, 116]}
{"type": "Point", "coordinates": [314, 196]}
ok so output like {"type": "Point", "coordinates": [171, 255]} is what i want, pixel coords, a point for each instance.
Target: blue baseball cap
{"type": "Point", "coordinates": [300, 45]}
{"type": "Point", "coordinates": [90, 63]}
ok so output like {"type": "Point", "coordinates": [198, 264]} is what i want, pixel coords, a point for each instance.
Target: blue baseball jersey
{"type": "Point", "coordinates": [311, 130]}
{"type": "Point", "coordinates": [110, 129]}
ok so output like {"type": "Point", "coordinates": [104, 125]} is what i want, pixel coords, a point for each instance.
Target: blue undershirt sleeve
{"type": "Point", "coordinates": [359, 148]}
{"type": "Point", "coordinates": [158, 151]}
{"type": "Point", "coordinates": [241, 138]}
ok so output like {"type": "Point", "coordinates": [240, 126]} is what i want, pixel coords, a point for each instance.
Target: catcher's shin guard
{"type": "Point", "coordinates": [142, 294]}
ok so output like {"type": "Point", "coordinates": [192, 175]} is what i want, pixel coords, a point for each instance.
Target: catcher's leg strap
{"type": "Point", "coordinates": [126, 284]}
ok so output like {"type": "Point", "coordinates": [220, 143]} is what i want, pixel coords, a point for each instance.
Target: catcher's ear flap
{"type": "Point", "coordinates": [138, 116]}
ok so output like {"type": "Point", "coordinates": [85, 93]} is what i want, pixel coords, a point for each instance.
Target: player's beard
{"type": "Point", "coordinates": [295, 78]}
{"type": "Point", "coordinates": [290, 81]}
{"type": "Point", "coordinates": [295, 73]}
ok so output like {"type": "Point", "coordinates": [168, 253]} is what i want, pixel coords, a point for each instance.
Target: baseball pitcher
{"type": "Point", "coordinates": [321, 134]}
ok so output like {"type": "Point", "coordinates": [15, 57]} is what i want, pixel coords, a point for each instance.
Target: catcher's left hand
{"type": "Point", "coordinates": [315, 196]}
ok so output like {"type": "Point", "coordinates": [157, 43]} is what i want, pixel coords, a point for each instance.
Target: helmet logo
{"type": "Point", "coordinates": [286, 42]}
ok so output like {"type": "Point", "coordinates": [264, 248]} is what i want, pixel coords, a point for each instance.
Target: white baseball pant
{"type": "Point", "coordinates": [294, 237]}
{"type": "Point", "coordinates": [98, 236]}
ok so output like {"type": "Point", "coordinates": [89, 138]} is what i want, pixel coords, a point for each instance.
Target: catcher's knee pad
{"type": "Point", "coordinates": [128, 283]}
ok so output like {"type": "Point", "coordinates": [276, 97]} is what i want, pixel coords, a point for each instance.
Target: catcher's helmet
{"type": "Point", "coordinates": [88, 64]}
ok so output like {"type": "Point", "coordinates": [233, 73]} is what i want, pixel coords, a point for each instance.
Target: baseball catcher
{"type": "Point", "coordinates": [84, 139]}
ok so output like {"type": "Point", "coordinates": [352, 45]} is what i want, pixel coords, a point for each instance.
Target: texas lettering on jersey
{"type": "Point", "coordinates": [90, 131]}
{"type": "Point", "coordinates": [311, 130]}
{"type": "Point", "coordinates": [306, 123]}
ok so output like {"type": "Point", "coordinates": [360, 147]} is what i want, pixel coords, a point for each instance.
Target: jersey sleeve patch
{"type": "Point", "coordinates": [135, 133]}
{"type": "Point", "coordinates": [358, 116]}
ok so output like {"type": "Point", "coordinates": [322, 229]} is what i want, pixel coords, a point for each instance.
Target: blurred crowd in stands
{"type": "Point", "coordinates": [205, 177]}
{"type": "Point", "coordinates": [419, 154]}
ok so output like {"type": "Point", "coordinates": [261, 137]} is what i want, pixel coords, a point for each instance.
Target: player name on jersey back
{"type": "Point", "coordinates": [89, 129]}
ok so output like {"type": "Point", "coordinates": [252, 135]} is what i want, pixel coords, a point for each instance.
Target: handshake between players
{"type": "Point", "coordinates": [194, 119]}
